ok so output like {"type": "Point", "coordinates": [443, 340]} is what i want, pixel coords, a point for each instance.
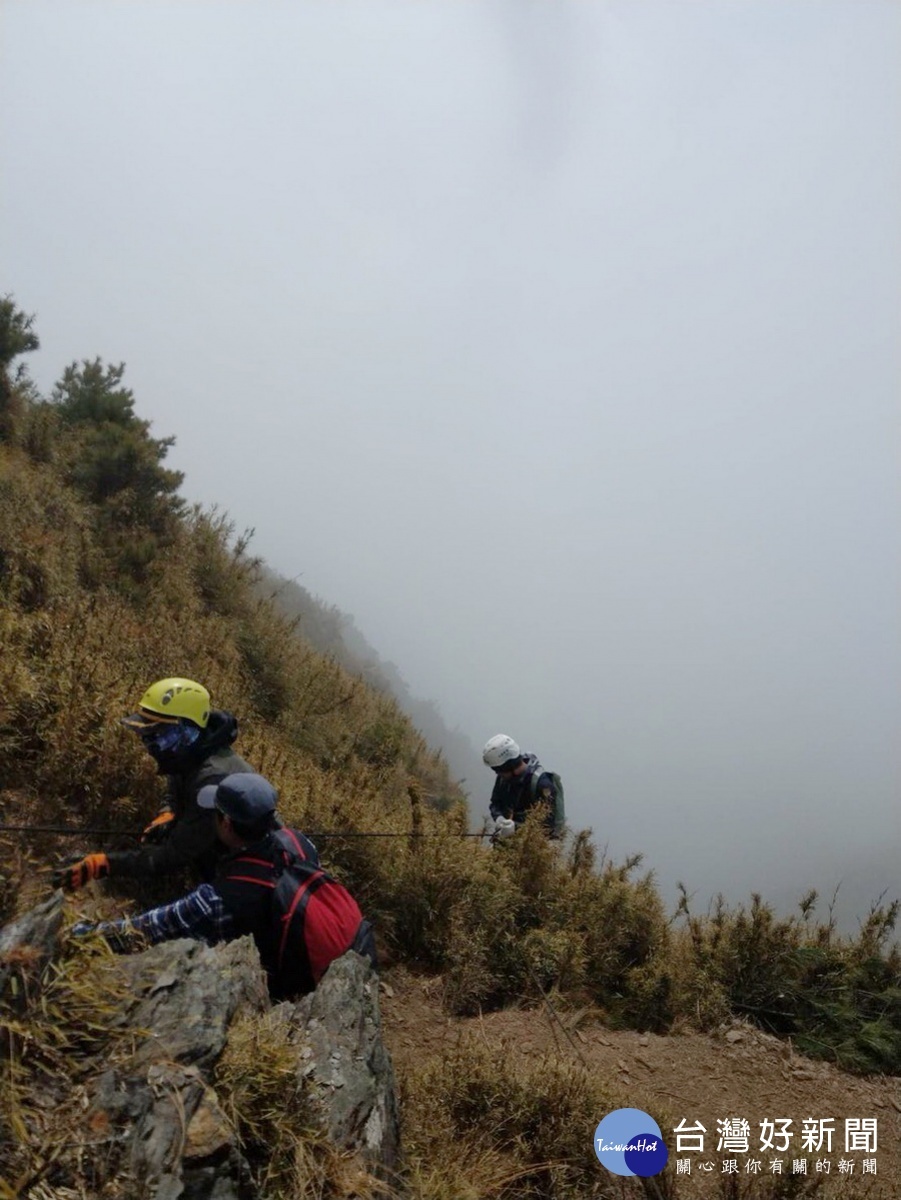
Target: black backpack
{"type": "Point", "coordinates": [558, 810]}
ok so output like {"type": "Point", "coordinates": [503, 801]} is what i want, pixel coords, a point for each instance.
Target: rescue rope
{"type": "Point", "coordinates": [412, 834]}
{"type": "Point", "coordinates": [67, 831]}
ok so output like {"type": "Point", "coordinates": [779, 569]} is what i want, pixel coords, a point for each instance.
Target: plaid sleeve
{"type": "Point", "coordinates": [201, 914]}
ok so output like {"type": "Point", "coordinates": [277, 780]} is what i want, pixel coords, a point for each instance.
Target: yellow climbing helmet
{"type": "Point", "coordinates": [169, 701]}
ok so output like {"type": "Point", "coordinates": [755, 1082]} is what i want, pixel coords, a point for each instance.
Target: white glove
{"type": "Point", "coordinates": [504, 827]}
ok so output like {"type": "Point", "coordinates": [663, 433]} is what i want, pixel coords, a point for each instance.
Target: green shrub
{"type": "Point", "coordinates": [837, 998]}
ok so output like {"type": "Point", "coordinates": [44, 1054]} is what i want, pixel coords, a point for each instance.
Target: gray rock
{"type": "Point", "coordinates": [187, 994]}
{"type": "Point", "coordinates": [26, 946]}
{"type": "Point", "coordinates": [163, 1131]}
{"type": "Point", "coordinates": [344, 1061]}
{"type": "Point", "coordinates": [183, 1143]}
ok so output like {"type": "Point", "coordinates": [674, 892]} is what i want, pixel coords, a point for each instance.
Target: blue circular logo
{"type": "Point", "coordinates": [629, 1142]}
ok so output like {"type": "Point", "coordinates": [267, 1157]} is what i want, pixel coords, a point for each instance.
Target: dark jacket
{"type": "Point", "coordinates": [513, 796]}
{"type": "Point", "coordinates": [192, 841]}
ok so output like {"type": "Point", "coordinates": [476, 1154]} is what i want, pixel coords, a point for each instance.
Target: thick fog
{"type": "Point", "coordinates": [557, 343]}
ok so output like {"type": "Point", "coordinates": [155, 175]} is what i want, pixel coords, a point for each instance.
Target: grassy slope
{"type": "Point", "coordinates": [78, 653]}
{"type": "Point", "coordinates": [83, 630]}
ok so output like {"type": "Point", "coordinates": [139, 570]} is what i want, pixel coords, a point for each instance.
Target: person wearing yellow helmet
{"type": "Point", "coordinates": [190, 741]}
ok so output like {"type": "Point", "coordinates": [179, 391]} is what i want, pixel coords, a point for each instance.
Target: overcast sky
{"type": "Point", "coordinates": [557, 343]}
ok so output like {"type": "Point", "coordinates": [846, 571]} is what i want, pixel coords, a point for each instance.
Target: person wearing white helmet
{"type": "Point", "coordinates": [521, 784]}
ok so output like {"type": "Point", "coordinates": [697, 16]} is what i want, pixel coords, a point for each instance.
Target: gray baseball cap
{"type": "Point", "coordinates": [245, 797]}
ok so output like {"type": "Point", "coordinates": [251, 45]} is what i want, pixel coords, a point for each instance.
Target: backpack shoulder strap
{"type": "Point", "coordinates": [259, 864]}
{"type": "Point", "coordinates": [296, 845]}
{"type": "Point", "coordinates": [537, 774]}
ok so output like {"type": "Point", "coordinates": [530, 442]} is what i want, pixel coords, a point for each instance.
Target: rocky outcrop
{"type": "Point", "coordinates": [150, 1107]}
{"type": "Point", "coordinates": [180, 1143]}
{"type": "Point", "coordinates": [344, 1062]}
{"type": "Point", "coordinates": [26, 946]}
{"type": "Point", "coordinates": [186, 996]}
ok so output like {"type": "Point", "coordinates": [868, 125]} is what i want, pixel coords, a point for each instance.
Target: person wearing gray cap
{"type": "Point", "coordinates": [269, 884]}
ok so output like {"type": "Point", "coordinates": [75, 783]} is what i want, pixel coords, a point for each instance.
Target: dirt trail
{"type": "Point", "coordinates": [739, 1072]}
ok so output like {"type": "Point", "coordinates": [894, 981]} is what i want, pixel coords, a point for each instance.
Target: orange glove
{"type": "Point", "coordinates": [74, 874]}
{"type": "Point", "coordinates": [159, 828]}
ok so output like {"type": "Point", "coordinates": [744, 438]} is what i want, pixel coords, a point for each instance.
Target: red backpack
{"type": "Point", "coordinates": [317, 920]}
{"type": "Point", "coordinates": [301, 918]}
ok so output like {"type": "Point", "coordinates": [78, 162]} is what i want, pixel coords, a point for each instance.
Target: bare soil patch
{"type": "Point", "coordinates": [738, 1072]}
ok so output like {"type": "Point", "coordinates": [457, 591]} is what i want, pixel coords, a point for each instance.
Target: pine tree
{"type": "Point", "coordinates": [118, 466]}
{"type": "Point", "coordinates": [17, 337]}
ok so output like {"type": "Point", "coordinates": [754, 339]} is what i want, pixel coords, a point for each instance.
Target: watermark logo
{"type": "Point", "coordinates": [629, 1142]}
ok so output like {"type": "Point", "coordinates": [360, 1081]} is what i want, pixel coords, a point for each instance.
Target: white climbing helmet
{"type": "Point", "coordinates": [499, 750]}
